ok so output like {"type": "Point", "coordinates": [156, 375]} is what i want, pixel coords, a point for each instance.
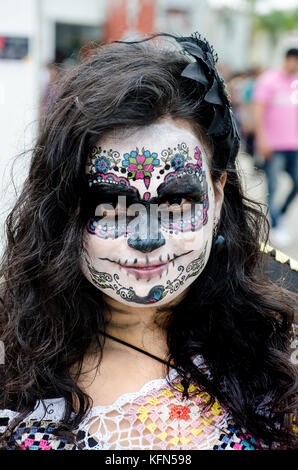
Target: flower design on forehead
{"type": "Point", "coordinates": [139, 165]}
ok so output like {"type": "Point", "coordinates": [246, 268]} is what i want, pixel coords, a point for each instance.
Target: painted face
{"type": "Point", "coordinates": [153, 207]}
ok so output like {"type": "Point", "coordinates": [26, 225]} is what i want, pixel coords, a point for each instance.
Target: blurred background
{"type": "Point", "coordinates": [40, 39]}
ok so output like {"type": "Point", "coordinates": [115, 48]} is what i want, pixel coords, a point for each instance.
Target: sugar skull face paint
{"type": "Point", "coordinates": [152, 208]}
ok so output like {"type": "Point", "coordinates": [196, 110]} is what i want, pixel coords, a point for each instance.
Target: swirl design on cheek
{"type": "Point", "coordinates": [104, 280]}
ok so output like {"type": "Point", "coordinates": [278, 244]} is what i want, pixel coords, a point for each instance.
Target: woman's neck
{"type": "Point", "coordinates": [139, 332]}
{"type": "Point", "coordinates": [144, 327]}
{"type": "Point", "coordinates": [141, 327]}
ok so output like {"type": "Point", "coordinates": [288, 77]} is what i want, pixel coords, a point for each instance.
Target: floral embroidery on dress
{"type": "Point", "coordinates": [180, 412]}
{"type": "Point", "coordinates": [158, 416]}
{"type": "Point", "coordinates": [37, 435]}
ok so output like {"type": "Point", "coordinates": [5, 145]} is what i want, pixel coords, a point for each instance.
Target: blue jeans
{"type": "Point", "coordinates": [286, 160]}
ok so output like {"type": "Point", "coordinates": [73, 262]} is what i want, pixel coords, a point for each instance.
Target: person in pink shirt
{"type": "Point", "coordinates": [276, 119]}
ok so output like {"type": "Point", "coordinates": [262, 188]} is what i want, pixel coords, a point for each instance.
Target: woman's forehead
{"type": "Point", "coordinates": [147, 158]}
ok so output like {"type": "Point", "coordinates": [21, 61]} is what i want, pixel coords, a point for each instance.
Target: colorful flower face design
{"type": "Point", "coordinates": [198, 156]}
{"type": "Point", "coordinates": [140, 165]}
{"type": "Point", "coordinates": [177, 161]}
{"type": "Point", "coordinates": [142, 271]}
{"type": "Point", "coordinates": [102, 164]}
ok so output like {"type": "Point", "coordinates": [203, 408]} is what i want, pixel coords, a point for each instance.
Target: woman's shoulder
{"type": "Point", "coordinates": [37, 430]}
{"type": "Point", "coordinates": [48, 409]}
{"type": "Point", "coordinates": [35, 435]}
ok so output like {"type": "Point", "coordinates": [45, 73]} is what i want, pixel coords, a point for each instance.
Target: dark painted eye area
{"type": "Point", "coordinates": [175, 200]}
{"type": "Point", "coordinates": [180, 201]}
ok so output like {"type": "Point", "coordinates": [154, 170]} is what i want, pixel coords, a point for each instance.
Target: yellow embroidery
{"type": "Point", "coordinates": [174, 441]}
{"type": "Point", "coordinates": [215, 409]}
{"type": "Point", "coordinates": [167, 393]}
{"type": "Point", "coordinates": [162, 436]}
{"type": "Point", "coordinates": [143, 418]}
{"type": "Point", "coordinates": [153, 401]}
{"type": "Point", "coordinates": [196, 431]}
{"type": "Point", "coordinates": [184, 440]}
{"type": "Point", "coordinates": [151, 427]}
{"type": "Point", "coordinates": [207, 398]}
{"type": "Point", "coordinates": [179, 387]}
{"type": "Point", "coordinates": [143, 409]}
{"type": "Point", "coordinates": [206, 421]}
{"type": "Point", "coordinates": [143, 414]}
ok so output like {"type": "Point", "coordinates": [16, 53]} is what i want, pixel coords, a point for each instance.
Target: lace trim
{"type": "Point", "coordinates": [54, 408]}
{"type": "Point", "coordinates": [145, 389]}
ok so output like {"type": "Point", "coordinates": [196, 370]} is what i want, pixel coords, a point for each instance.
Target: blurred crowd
{"type": "Point", "coordinates": [265, 103]}
{"type": "Point", "coordinates": [241, 85]}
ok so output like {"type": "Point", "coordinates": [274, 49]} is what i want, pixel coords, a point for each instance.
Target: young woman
{"type": "Point", "coordinates": [136, 309]}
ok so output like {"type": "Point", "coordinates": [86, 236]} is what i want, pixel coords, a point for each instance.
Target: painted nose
{"type": "Point", "coordinates": [152, 238]}
{"type": "Point", "coordinates": [146, 245]}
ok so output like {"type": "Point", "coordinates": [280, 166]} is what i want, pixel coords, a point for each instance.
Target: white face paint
{"type": "Point", "coordinates": [166, 161]}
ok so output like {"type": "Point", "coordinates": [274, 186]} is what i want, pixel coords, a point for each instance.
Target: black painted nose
{"type": "Point", "coordinates": [152, 238]}
{"type": "Point", "coordinates": [146, 245]}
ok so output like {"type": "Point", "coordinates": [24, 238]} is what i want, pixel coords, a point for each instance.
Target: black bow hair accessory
{"type": "Point", "coordinates": [222, 129]}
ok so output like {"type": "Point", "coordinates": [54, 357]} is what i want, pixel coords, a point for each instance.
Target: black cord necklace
{"type": "Point", "coordinates": [135, 347]}
{"type": "Point", "coordinates": [185, 381]}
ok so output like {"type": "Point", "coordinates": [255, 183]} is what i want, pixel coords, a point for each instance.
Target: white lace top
{"type": "Point", "coordinates": [155, 417]}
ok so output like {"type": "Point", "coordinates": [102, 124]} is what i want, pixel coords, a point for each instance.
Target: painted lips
{"type": "Point", "coordinates": [146, 272]}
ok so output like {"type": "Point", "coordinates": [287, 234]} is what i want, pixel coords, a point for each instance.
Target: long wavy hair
{"type": "Point", "coordinates": [51, 314]}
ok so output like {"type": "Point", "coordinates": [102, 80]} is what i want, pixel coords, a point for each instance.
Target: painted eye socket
{"type": "Point", "coordinates": [175, 200]}
{"type": "Point", "coordinates": [114, 211]}
{"type": "Point", "coordinates": [176, 203]}
{"type": "Point", "coordinates": [109, 209]}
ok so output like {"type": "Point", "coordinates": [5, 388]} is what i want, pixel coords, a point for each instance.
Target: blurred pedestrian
{"type": "Point", "coordinates": [246, 110]}
{"type": "Point", "coordinates": [234, 85]}
{"type": "Point", "coordinates": [276, 116]}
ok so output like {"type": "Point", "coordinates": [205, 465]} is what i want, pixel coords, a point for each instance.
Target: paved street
{"type": "Point", "coordinates": [256, 187]}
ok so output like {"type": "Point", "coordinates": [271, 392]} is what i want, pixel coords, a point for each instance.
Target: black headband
{"type": "Point", "coordinates": [222, 130]}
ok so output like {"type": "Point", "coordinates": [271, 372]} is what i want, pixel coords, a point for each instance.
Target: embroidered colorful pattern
{"type": "Point", "coordinates": [157, 417]}
{"type": "Point", "coordinates": [37, 435]}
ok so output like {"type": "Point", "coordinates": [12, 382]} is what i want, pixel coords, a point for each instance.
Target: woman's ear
{"type": "Point", "coordinates": [219, 186]}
